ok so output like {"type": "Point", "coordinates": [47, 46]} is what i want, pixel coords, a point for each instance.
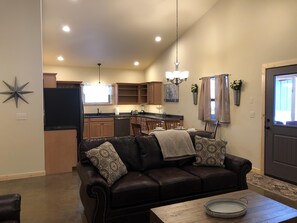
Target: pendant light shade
{"type": "Point", "coordinates": [176, 76]}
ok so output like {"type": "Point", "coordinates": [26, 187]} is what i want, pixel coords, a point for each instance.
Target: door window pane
{"type": "Point", "coordinates": [285, 99]}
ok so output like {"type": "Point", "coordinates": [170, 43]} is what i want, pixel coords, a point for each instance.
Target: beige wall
{"type": "Point", "coordinates": [91, 75]}
{"type": "Point", "coordinates": [235, 37]}
{"type": "Point", "coordinates": [22, 145]}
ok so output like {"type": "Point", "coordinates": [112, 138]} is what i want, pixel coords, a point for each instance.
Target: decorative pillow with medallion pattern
{"type": "Point", "coordinates": [107, 161]}
{"type": "Point", "coordinates": [210, 152]}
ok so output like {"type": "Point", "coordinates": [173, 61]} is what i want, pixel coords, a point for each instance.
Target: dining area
{"type": "Point", "coordinates": [209, 131]}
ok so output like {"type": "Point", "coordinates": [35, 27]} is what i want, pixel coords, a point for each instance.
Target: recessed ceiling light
{"type": "Point", "coordinates": [66, 29]}
{"type": "Point", "coordinates": [60, 58]}
{"type": "Point", "coordinates": [158, 39]}
{"type": "Point", "coordinates": [136, 63]}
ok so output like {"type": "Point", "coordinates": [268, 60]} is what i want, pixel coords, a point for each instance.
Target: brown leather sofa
{"type": "Point", "coordinates": [150, 181]}
{"type": "Point", "coordinates": [10, 208]}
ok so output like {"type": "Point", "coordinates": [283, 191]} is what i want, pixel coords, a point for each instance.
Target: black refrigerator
{"type": "Point", "coordinates": [63, 109]}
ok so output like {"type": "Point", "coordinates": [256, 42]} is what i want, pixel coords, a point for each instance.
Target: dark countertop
{"type": "Point", "coordinates": [128, 115]}
{"type": "Point", "coordinates": [64, 127]}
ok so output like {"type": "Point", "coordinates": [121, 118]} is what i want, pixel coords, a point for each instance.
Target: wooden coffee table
{"type": "Point", "coordinates": [260, 209]}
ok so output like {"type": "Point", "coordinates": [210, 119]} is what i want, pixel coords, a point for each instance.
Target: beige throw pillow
{"type": "Point", "coordinates": [210, 152]}
{"type": "Point", "coordinates": [107, 161]}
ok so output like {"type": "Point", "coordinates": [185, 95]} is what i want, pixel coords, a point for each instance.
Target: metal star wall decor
{"type": "Point", "coordinates": [16, 92]}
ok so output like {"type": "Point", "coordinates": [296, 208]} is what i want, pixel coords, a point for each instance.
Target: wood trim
{"type": "Point", "coordinates": [264, 67]}
{"type": "Point", "coordinates": [22, 175]}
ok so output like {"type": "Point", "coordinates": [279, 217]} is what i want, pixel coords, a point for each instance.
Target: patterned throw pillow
{"type": "Point", "coordinates": [210, 152]}
{"type": "Point", "coordinates": [107, 161]}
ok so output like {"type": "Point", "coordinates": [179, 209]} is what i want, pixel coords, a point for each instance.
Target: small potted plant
{"type": "Point", "coordinates": [236, 86]}
{"type": "Point", "coordinates": [194, 90]}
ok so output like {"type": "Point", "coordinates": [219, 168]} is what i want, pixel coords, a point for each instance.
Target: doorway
{"type": "Point", "coordinates": [280, 152]}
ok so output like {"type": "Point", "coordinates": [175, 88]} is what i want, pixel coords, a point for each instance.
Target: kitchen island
{"type": "Point", "coordinates": [107, 124]}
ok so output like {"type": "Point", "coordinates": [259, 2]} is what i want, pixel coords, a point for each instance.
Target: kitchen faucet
{"type": "Point", "coordinates": [98, 111]}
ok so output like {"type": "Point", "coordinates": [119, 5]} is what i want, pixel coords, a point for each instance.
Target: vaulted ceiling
{"type": "Point", "coordinates": [114, 32]}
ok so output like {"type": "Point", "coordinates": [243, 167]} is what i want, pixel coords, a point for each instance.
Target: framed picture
{"type": "Point", "coordinates": [171, 93]}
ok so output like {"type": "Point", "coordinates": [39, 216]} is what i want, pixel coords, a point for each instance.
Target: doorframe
{"type": "Point", "coordinates": [263, 85]}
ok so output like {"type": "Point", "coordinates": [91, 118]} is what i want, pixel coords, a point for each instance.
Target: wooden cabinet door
{"type": "Point", "coordinates": [60, 151]}
{"type": "Point", "coordinates": [155, 93]}
{"type": "Point", "coordinates": [107, 129]}
{"type": "Point", "coordinates": [95, 129]}
{"type": "Point", "coordinates": [86, 128]}
{"type": "Point", "coordinates": [49, 80]}
{"type": "Point", "coordinates": [101, 127]}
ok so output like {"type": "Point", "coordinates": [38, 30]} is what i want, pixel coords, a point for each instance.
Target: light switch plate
{"type": "Point", "coordinates": [21, 116]}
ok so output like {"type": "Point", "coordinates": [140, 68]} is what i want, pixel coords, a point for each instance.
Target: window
{"type": "Point", "coordinates": [212, 98]}
{"type": "Point", "coordinates": [214, 102]}
{"type": "Point", "coordinates": [285, 99]}
{"type": "Point", "coordinates": [97, 94]}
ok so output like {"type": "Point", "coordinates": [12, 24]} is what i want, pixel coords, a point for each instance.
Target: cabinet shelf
{"type": "Point", "coordinates": [143, 93]}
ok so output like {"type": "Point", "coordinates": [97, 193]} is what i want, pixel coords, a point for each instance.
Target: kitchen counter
{"type": "Point", "coordinates": [144, 115]}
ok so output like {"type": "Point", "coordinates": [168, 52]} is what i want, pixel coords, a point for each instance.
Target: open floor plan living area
{"type": "Point", "coordinates": [160, 111]}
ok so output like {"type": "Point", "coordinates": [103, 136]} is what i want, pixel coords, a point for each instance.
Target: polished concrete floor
{"type": "Point", "coordinates": [49, 199]}
{"type": "Point", "coordinates": [55, 198]}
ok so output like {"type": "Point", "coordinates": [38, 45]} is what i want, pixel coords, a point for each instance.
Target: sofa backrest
{"type": "Point", "coordinates": [139, 153]}
{"type": "Point", "coordinates": [150, 153]}
{"type": "Point", "coordinates": [125, 146]}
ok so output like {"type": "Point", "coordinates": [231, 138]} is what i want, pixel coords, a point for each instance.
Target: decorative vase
{"type": "Point", "coordinates": [236, 94]}
{"type": "Point", "coordinates": [195, 97]}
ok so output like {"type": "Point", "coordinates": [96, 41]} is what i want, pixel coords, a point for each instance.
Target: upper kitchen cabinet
{"type": "Point", "coordinates": [126, 93]}
{"type": "Point", "coordinates": [154, 93]}
{"type": "Point", "coordinates": [142, 93]}
{"type": "Point", "coordinates": [49, 80]}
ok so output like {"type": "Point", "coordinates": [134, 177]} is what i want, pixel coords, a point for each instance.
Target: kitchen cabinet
{"type": "Point", "coordinates": [60, 151]}
{"type": "Point", "coordinates": [101, 127]}
{"type": "Point", "coordinates": [126, 93]}
{"type": "Point", "coordinates": [49, 80]}
{"type": "Point", "coordinates": [86, 134]}
{"type": "Point", "coordinates": [142, 93]}
{"type": "Point", "coordinates": [154, 93]}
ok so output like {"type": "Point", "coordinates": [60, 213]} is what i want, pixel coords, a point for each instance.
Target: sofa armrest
{"type": "Point", "coordinates": [239, 165]}
{"type": "Point", "coordinates": [91, 178]}
{"type": "Point", "coordinates": [10, 207]}
{"type": "Point", "coordinates": [94, 193]}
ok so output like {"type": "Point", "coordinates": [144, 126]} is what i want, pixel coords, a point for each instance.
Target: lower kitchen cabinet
{"type": "Point", "coordinates": [60, 150]}
{"type": "Point", "coordinates": [100, 127]}
{"type": "Point", "coordinates": [86, 134]}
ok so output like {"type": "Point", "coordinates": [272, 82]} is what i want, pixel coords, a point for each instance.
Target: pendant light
{"type": "Point", "coordinates": [99, 64]}
{"type": "Point", "coordinates": [176, 77]}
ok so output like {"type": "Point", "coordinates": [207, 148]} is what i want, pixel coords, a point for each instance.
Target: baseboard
{"type": "Point", "coordinates": [22, 175]}
{"type": "Point", "coordinates": [256, 170]}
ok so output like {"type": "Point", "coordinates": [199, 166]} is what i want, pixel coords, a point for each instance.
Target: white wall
{"type": "Point", "coordinates": [22, 145]}
{"type": "Point", "coordinates": [91, 75]}
{"type": "Point", "coordinates": [235, 37]}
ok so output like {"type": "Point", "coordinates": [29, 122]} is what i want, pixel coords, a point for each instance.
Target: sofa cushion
{"type": "Point", "coordinates": [108, 162]}
{"type": "Point", "coordinates": [133, 189]}
{"type": "Point", "coordinates": [213, 178]}
{"type": "Point", "coordinates": [210, 152]}
{"type": "Point", "coordinates": [175, 182]}
{"type": "Point", "coordinates": [150, 153]}
{"type": "Point", "coordinates": [125, 146]}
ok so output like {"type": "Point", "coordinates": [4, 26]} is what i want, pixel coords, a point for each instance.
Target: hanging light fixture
{"type": "Point", "coordinates": [176, 77]}
{"type": "Point", "coordinates": [99, 64]}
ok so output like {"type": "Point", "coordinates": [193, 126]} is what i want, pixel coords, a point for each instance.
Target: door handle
{"type": "Point", "coordinates": [267, 127]}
